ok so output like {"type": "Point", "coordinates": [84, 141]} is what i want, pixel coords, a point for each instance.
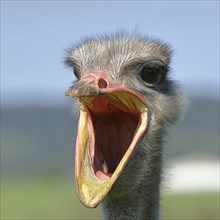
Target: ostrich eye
{"type": "Point", "coordinates": [152, 74]}
{"type": "Point", "coordinates": [76, 72]}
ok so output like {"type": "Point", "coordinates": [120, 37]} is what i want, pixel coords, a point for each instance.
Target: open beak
{"type": "Point", "coordinates": [110, 126]}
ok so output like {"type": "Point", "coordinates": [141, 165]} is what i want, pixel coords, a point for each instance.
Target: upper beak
{"type": "Point", "coordinates": [69, 92]}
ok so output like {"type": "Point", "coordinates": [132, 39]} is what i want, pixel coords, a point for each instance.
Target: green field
{"type": "Point", "coordinates": [37, 146]}
{"type": "Point", "coordinates": [49, 199]}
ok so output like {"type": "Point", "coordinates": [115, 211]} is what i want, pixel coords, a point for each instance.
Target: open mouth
{"type": "Point", "coordinates": [109, 129]}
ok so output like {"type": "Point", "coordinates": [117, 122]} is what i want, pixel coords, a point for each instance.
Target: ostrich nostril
{"type": "Point", "coordinates": [102, 84]}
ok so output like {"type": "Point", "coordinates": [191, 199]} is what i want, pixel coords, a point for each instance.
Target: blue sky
{"type": "Point", "coordinates": [35, 33]}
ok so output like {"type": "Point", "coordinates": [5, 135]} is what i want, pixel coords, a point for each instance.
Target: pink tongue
{"type": "Point", "coordinates": [103, 176]}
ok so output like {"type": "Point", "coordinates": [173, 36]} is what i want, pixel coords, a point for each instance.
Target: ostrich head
{"type": "Point", "coordinates": [126, 100]}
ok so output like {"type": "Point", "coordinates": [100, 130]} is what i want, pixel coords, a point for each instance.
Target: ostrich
{"type": "Point", "coordinates": [126, 101]}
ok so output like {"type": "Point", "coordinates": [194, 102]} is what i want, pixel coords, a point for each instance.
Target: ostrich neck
{"type": "Point", "coordinates": [136, 193]}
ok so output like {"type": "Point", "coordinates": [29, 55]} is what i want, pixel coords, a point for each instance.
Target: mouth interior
{"type": "Point", "coordinates": [115, 119]}
{"type": "Point", "coordinates": [113, 135]}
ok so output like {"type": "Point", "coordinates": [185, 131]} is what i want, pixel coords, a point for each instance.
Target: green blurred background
{"type": "Point", "coordinates": [38, 130]}
{"type": "Point", "coordinates": [37, 152]}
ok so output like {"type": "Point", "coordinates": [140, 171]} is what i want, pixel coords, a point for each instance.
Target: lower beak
{"type": "Point", "coordinates": [93, 185]}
